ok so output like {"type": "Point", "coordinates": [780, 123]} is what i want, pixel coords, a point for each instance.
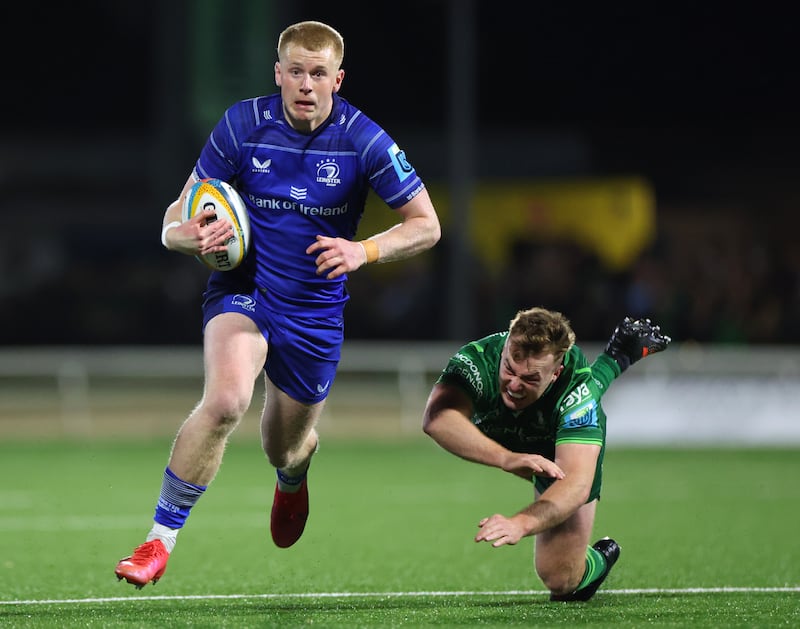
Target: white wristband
{"type": "Point", "coordinates": [164, 231]}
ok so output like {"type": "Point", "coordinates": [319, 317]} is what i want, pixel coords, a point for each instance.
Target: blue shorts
{"type": "Point", "coordinates": [303, 352]}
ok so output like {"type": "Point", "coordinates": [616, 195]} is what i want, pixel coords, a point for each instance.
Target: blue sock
{"type": "Point", "coordinates": [290, 484]}
{"type": "Point", "coordinates": [176, 500]}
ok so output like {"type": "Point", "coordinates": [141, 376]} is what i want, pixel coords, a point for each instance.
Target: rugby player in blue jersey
{"type": "Point", "coordinates": [527, 401]}
{"type": "Point", "coordinates": [303, 160]}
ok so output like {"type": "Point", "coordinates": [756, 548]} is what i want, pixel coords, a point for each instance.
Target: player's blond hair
{"type": "Point", "coordinates": [314, 36]}
{"type": "Point", "coordinates": [539, 330]}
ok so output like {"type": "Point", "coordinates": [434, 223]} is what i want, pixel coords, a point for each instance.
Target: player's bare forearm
{"type": "Point", "coordinates": [407, 239]}
{"type": "Point", "coordinates": [460, 437]}
{"type": "Point", "coordinates": [446, 421]}
{"type": "Point", "coordinates": [540, 516]}
{"type": "Point", "coordinates": [336, 256]}
{"type": "Point", "coordinates": [544, 514]}
{"type": "Point", "coordinates": [419, 231]}
{"type": "Point", "coordinates": [555, 505]}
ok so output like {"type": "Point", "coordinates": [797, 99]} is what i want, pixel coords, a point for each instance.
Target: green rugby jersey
{"type": "Point", "coordinates": [569, 411]}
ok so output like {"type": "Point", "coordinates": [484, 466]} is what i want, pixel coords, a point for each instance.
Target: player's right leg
{"type": "Point", "coordinates": [299, 376]}
{"type": "Point", "coordinates": [289, 439]}
{"type": "Point", "coordinates": [633, 339]}
{"type": "Point", "coordinates": [234, 354]}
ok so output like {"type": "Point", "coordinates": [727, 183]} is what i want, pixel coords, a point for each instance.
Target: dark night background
{"type": "Point", "coordinates": [103, 121]}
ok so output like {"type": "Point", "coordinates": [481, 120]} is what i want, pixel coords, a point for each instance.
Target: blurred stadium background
{"type": "Point", "coordinates": [595, 159]}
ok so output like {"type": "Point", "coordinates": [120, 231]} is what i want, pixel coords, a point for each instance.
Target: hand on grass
{"type": "Point", "coordinates": [500, 530]}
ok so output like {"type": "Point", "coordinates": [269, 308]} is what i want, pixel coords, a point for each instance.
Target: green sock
{"type": "Point", "coordinates": [595, 566]}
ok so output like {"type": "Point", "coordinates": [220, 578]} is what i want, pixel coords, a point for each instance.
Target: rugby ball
{"type": "Point", "coordinates": [223, 198]}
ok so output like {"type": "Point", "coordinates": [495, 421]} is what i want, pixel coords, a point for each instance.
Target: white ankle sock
{"type": "Point", "coordinates": [167, 535]}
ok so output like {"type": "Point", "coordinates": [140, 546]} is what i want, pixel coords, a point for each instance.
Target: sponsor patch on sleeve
{"type": "Point", "coordinates": [584, 416]}
{"type": "Point", "coordinates": [400, 163]}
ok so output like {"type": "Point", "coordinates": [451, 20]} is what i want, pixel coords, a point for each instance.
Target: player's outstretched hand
{"type": "Point", "coordinates": [633, 339]}
{"type": "Point", "coordinates": [500, 530]}
{"type": "Point", "coordinates": [336, 256]}
{"type": "Point", "coordinates": [529, 465]}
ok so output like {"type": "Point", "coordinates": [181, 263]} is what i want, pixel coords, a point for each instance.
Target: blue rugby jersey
{"type": "Point", "coordinates": [299, 185]}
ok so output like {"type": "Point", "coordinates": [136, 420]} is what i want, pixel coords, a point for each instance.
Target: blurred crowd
{"type": "Point", "coordinates": [708, 277]}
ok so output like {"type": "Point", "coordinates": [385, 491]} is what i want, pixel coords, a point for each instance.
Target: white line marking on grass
{"type": "Point", "coordinates": [203, 597]}
{"type": "Point", "coordinates": [60, 523]}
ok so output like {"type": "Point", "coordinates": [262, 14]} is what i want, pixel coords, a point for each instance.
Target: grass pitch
{"type": "Point", "coordinates": [709, 539]}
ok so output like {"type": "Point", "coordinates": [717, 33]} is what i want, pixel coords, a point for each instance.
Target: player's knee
{"type": "Point", "coordinates": [280, 456]}
{"type": "Point", "coordinates": [277, 459]}
{"type": "Point", "coordinates": [226, 408]}
{"type": "Point", "coordinates": [285, 456]}
{"type": "Point", "coordinates": [558, 583]}
{"type": "Point", "coordinates": [558, 580]}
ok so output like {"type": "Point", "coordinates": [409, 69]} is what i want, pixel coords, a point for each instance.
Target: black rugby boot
{"type": "Point", "coordinates": [610, 550]}
{"type": "Point", "coordinates": [633, 339]}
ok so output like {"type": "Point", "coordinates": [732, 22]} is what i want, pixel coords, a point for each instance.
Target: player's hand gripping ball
{"type": "Point", "coordinates": [221, 197]}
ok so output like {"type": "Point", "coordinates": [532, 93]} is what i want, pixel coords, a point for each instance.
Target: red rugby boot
{"type": "Point", "coordinates": [147, 563]}
{"type": "Point", "coordinates": [289, 515]}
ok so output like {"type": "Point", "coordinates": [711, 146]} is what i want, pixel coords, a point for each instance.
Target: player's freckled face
{"type": "Point", "coordinates": [308, 79]}
{"type": "Point", "coordinates": [524, 379]}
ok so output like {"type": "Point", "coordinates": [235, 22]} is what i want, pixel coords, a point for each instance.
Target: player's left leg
{"type": "Point", "coordinates": [570, 568]}
{"type": "Point", "coordinates": [560, 552]}
{"type": "Point", "coordinates": [600, 558]}
{"type": "Point", "coordinates": [289, 439]}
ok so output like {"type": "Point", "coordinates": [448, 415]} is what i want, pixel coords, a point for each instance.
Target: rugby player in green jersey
{"type": "Point", "coordinates": [527, 401]}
